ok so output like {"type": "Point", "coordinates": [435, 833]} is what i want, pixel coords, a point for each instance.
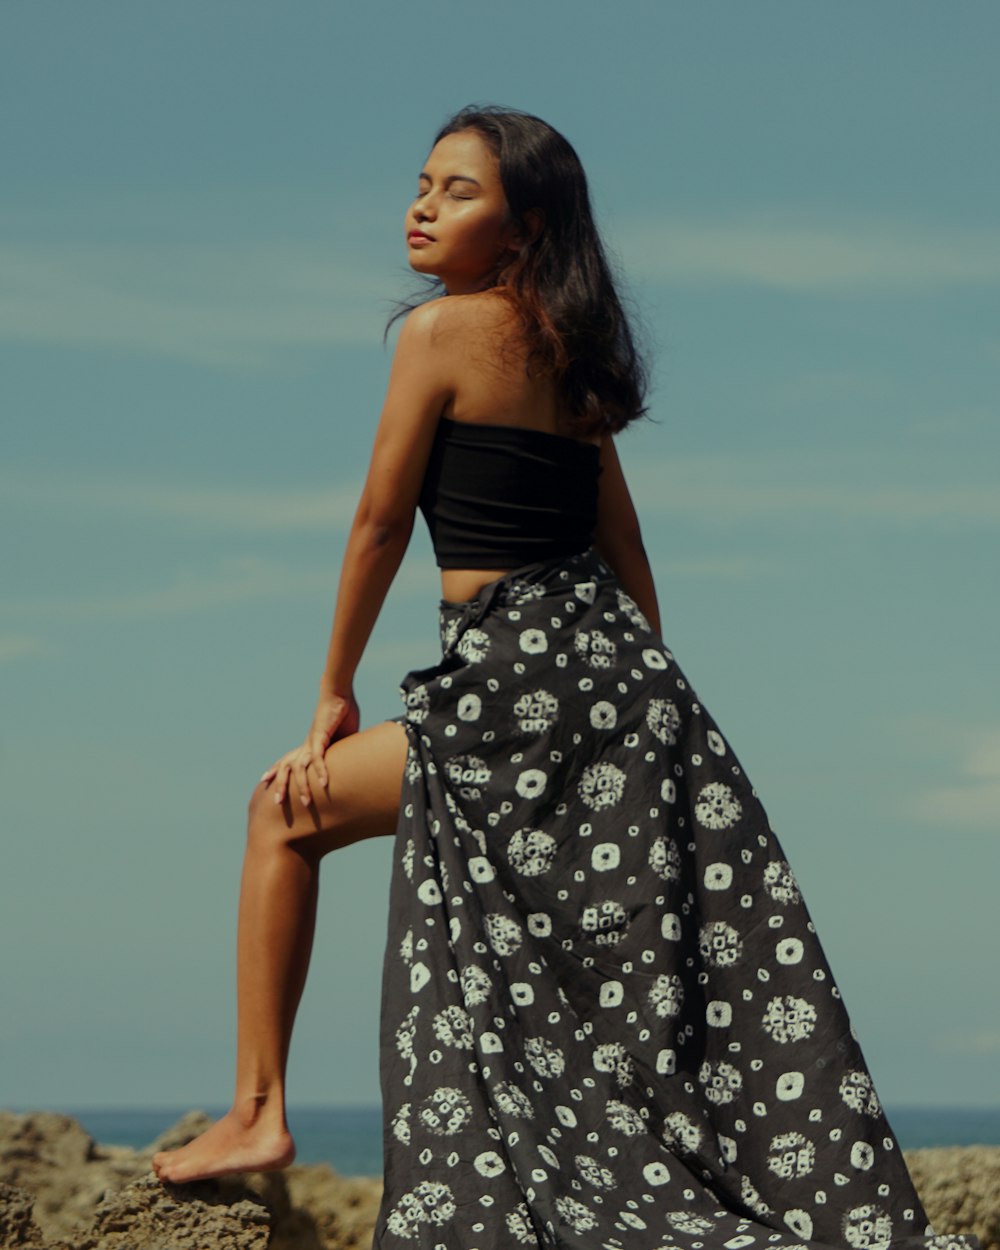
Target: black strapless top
{"type": "Point", "coordinates": [499, 496]}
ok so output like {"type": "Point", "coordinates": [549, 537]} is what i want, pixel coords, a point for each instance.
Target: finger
{"type": "Point", "coordinates": [319, 763]}
{"type": "Point", "coordinates": [281, 782]}
{"type": "Point", "coordinates": [270, 773]}
{"type": "Point", "coordinates": [302, 781]}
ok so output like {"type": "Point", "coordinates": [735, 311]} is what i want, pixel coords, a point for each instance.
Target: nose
{"type": "Point", "coordinates": [425, 209]}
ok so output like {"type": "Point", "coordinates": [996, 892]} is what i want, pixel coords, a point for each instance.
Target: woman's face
{"type": "Point", "coordinates": [462, 212]}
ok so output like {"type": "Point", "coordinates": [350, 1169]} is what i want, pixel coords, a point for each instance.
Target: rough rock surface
{"type": "Point", "coordinates": [55, 1160]}
{"type": "Point", "coordinates": [192, 1217]}
{"type": "Point", "coordinates": [92, 1197]}
{"type": "Point", "coordinates": [340, 1209]}
{"type": "Point", "coordinates": [17, 1228]}
{"type": "Point", "coordinates": [960, 1189]}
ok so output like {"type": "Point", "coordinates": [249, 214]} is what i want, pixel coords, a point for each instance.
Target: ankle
{"type": "Point", "coordinates": [259, 1111]}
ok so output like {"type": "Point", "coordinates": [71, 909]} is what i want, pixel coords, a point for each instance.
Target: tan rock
{"type": "Point", "coordinates": [17, 1228]}
{"type": "Point", "coordinates": [88, 1195]}
{"type": "Point", "coordinates": [960, 1189]}
{"type": "Point", "coordinates": [54, 1158]}
{"type": "Point", "coordinates": [93, 1197]}
{"type": "Point", "coordinates": [198, 1216]}
{"type": "Point", "coordinates": [341, 1209]}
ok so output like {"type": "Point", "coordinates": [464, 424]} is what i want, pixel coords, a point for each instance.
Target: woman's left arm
{"type": "Point", "coordinates": [618, 538]}
{"type": "Point", "coordinates": [420, 384]}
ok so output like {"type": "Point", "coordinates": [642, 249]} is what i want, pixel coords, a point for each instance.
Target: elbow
{"type": "Point", "coordinates": [386, 536]}
{"type": "Point", "coordinates": [386, 531]}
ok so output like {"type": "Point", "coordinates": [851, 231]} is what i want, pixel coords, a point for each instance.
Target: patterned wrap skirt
{"type": "Point", "coordinates": [606, 1018]}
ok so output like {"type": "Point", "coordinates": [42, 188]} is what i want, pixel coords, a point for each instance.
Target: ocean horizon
{"type": "Point", "coordinates": [349, 1138]}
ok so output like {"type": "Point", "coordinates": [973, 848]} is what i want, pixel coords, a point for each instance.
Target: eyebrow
{"type": "Point", "coordinates": [452, 178]}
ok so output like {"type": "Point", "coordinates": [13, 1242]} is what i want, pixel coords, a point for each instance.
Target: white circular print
{"type": "Point", "coordinates": [606, 1017]}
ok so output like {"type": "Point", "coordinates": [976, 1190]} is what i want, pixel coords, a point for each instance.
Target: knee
{"type": "Point", "coordinates": [266, 820]}
{"type": "Point", "coordinates": [283, 825]}
{"type": "Point", "coordinates": [261, 798]}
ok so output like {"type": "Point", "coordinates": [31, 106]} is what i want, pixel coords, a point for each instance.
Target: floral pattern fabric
{"type": "Point", "coordinates": [607, 1022]}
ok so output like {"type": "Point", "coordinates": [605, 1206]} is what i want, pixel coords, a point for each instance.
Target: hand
{"type": "Point", "coordinates": [337, 716]}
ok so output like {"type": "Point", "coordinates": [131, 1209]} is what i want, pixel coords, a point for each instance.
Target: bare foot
{"type": "Point", "coordinates": [230, 1145]}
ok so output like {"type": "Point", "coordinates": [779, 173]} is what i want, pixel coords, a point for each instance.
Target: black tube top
{"type": "Point", "coordinates": [499, 496]}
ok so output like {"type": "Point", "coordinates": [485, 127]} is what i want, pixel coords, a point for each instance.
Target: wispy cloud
{"type": "Point", "coordinates": [718, 489]}
{"type": "Point", "coordinates": [235, 581]}
{"type": "Point", "coordinates": [974, 1042]}
{"type": "Point", "coordinates": [971, 799]}
{"type": "Point", "coordinates": [18, 647]}
{"type": "Point", "coordinates": [717, 568]}
{"type": "Point", "coordinates": [222, 507]}
{"type": "Point", "coordinates": [243, 579]}
{"type": "Point", "coordinates": [397, 658]}
{"type": "Point", "coordinates": [728, 489]}
{"type": "Point", "coordinates": [957, 424]}
{"type": "Point", "coordinates": [226, 304]}
{"type": "Point", "coordinates": [775, 249]}
{"type": "Point", "coordinates": [238, 305]}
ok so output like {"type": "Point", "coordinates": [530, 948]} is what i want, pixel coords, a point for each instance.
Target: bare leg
{"type": "Point", "coordinates": [277, 917]}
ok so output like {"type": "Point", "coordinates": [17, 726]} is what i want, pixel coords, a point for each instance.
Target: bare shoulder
{"type": "Point", "coordinates": [472, 316]}
{"type": "Point", "coordinates": [492, 311]}
{"type": "Point", "coordinates": [441, 321]}
{"type": "Point", "coordinates": [466, 335]}
{"type": "Point", "coordinates": [424, 371]}
{"type": "Point", "coordinates": [491, 333]}
{"type": "Point", "coordinates": [424, 324]}
{"type": "Point", "coordinates": [426, 345]}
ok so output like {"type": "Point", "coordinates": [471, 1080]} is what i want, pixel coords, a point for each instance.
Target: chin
{"type": "Point", "coordinates": [417, 267]}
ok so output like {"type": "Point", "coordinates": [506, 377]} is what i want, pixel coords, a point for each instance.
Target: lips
{"type": "Point", "coordinates": [419, 234]}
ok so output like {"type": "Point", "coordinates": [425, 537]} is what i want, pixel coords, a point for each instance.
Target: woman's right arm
{"type": "Point", "coordinates": [420, 383]}
{"type": "Point", "coordinates": [618, 538]}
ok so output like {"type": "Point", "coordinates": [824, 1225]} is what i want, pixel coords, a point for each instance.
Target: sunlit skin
{"type": "Point", "coordinates": [343, 784]}
{"type": "Point", "coordinates": [460, 203]}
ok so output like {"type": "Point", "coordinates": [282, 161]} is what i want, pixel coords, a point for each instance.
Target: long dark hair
{"type": "Point", "coordinates": [561, 282]}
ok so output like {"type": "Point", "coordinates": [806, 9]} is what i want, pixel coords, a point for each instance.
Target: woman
{"type": "Point", "coordinates": [606, 1018]}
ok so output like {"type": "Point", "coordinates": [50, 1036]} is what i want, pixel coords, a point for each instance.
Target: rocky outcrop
{"type": "Point", "coordinates": [195, 1217]}
{"type": "Point", "coordinates": [341, 1210]}
{"type": "Point", "coordinates": [92, 1197]}
{"type": "Point", "coordinates": [17, 1228]}
{"type": "Point", "coordinates": [960, 1189]}
{"type": "Point", "coordinates": [55, 1159]}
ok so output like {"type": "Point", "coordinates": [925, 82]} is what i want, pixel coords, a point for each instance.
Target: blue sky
{"type": "Point", "coordinates": [200, 240]}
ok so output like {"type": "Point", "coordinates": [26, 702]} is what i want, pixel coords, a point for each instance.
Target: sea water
{"type": "Point", "coordinates": [350, 1138]}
